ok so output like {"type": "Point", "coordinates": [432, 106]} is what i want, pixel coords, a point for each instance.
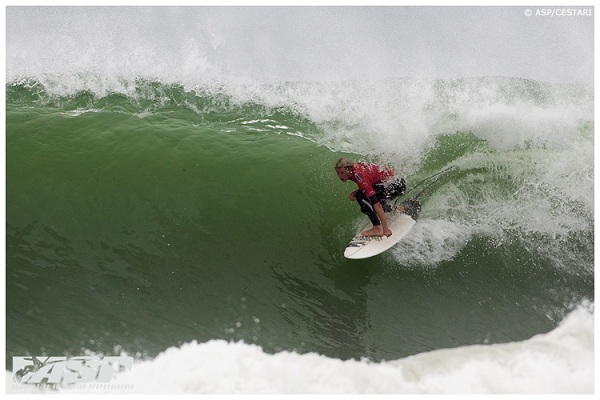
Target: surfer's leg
{"type": "Point", "coordinates": [367, 208]}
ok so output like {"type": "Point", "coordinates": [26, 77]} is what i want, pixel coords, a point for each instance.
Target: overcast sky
{"type": "Point", "coordinates": [303, 43]}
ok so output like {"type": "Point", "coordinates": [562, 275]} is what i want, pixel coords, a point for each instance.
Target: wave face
{"type": "Point", "coordinates": [145, 212]}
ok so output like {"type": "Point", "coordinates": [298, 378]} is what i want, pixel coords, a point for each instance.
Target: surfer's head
{"type": "Point", "coordinates": [344, 169]}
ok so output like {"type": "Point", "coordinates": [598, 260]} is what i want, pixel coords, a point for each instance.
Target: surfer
{"type": "Point", "coordinates": [375, 185]}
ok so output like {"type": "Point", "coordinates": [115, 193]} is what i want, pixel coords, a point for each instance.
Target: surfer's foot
{"type": "Point", "coordinates": [400, 209]}
{"type": "Point", "coordinates": [377, 231]}
{"type": "Point", "coordinates": [374, 231]}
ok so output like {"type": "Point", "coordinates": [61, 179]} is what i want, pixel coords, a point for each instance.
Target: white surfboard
{"type": "Point", "coordinates": [368, 246]}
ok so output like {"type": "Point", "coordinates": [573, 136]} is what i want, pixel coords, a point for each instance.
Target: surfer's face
{"type": "Point", "coordinates": [343, 174]}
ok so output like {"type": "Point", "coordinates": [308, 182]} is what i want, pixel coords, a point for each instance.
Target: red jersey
{"type": "Point", "coordinates": [366, 175]}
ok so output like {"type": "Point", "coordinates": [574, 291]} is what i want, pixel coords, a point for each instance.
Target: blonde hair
{"type": "Point", "coordinates": [344, 163]}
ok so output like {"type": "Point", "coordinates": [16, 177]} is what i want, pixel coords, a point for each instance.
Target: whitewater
{"type": "Point", "coordinates": [557, 362]}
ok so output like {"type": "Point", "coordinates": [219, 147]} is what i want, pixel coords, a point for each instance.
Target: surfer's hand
{"type": "Point", "coordinates": [352, 196]}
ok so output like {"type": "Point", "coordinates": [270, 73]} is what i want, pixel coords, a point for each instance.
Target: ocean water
{"type": "Point", "coordinates": [199, 226]}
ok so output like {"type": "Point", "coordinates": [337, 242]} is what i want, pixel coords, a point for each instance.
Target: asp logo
{"type": "Point", "coordinates": [74, 370]}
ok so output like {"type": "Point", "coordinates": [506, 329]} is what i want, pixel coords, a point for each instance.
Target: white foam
{"type": "Point", "coordinates": [432, 241]}
{"type": "Point", "coordinates": [541, 196]}
{"type": "Point", "coordinates": [561, 361]}
{"type": "Point", "coordinates": [508, 126]}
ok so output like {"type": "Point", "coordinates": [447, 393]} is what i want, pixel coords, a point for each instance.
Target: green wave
{"type": "Point", "coordinates": [137, 221]}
